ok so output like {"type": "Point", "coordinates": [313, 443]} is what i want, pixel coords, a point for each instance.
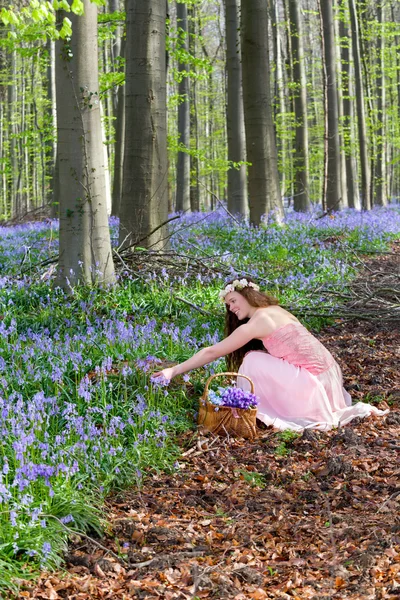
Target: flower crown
{"type": "Point", "coordinates": [238, 284]}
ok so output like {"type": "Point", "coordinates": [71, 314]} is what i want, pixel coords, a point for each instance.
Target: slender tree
{"type": "Point", "coordinates": [194, 121]}
{"type": "Point", "coordinates": [348, 125]}
{"type": "Point", "coordinates": [381, 151]}
{"type": "Point", "coordinates": [340, 75]}
{"type": "Point", "coordinates": [52, 115]}
{"type": "Point", "coordinates": [333, 197]}
{"type": "Point", "coordinates": [119, 142]}
{"type": "Point", "coordinates": [237, 190]}
{"type": "Point", "coordinates": [144, 202]}
{"type": "Point", "coordinates": [85, 250]}
{"type": "Point", "coordinates": [263, 177]}
{"type": "Point", "coordinates": [183, 161]}
{"type": "Point", "coordinates": [281, 102]}
{"type": "Point", "coordinates": [301, 191]}
{"type": "Point", "coordinates": [361, 116]}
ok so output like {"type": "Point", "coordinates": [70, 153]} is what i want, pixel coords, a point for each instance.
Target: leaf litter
{"type": "Point", "coordinates": [304, 516]}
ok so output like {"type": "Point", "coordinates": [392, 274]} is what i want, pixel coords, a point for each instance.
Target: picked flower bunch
{"type": "Point", "coordinates": [233, 397]}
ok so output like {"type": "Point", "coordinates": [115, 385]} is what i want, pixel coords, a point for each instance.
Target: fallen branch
{"type": "Point", "coordinates": [87, 537]}
{"type": "Point", "coordinates": [163, 557]}
{"type": "Point", "coordinates": [201, 310]}
{"type": "Point", "coordinates": [392, 497]}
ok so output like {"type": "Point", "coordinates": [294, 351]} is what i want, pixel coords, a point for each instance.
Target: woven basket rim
{"type": "Point", "coordinates": [225, 373]}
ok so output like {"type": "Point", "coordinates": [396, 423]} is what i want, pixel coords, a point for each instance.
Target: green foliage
{"type": "Point", "coordinates": [286, 438]}
{"type": "Point", "coordinates": [253, 478]}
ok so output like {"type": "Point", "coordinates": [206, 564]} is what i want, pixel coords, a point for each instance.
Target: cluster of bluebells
{"type": "Point", "coordinates": [304, 244]}
{"type": "Point", "coordinates": [233, 397]}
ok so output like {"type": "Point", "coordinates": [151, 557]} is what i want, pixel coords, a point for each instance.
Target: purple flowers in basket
{"type": "Point", "coordinates": [233, 397]}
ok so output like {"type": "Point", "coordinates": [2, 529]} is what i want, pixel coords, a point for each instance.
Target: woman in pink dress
{"type": "Point", "coordinates": [296, 378]}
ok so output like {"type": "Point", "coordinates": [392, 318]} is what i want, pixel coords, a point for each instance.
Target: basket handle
{"type": "Point", "coordinates": [205, 393]}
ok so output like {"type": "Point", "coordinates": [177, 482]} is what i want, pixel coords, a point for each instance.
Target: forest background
{"type": "Point", "coordinates": [169, 148]}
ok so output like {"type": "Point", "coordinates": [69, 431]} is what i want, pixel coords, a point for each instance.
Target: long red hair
{"type": "Point", "coordinates": [256, 299]}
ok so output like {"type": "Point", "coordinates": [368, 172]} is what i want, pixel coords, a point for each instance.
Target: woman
{"type": "Point", "coordinates": [296, 378]}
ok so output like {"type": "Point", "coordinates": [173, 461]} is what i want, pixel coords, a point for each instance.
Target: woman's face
{"type": "Point", "coordinates": [238, 304]}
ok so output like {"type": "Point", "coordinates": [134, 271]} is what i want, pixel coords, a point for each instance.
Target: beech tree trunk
{"type": "Point", "coordinates": [182, 202]}
{"type": "Point", "coordinates": [348, 126]}
{"type": "Point", "coordinates": [300, 159]}
{"type": "Point", "coordinates": [333, 196]}
{"type": "Point", "coordinates": [339, 71]}
{"type": "Point", "coordinates": [51, 149]}
{"type": "Point", "coordinates": [194, 124]}
{"type": "Point", "coordinates": [85, 250]}
{"type": "Point", "coordinates": [380, 168]}
{"type": "Point", "coordinates": [237, 190]}
{"type": "Point", "coordinates": [144, 203]}
{"type": "Point", "coordinates": [263, 177]}
{"type": "Point", "coordinates": [281, 110]}
{"type": "Point", "coordinates": [119, 144]}
{"type": "Point", "coordinates": [361, 117]}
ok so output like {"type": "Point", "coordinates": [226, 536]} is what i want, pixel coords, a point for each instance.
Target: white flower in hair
{"type": "Point", "coordinates": [237, 284]}
{"type": "Point", "coordinates": [229, 288]}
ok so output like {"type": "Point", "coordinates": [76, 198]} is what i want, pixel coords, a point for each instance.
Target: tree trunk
{"type": "Point", "coordinates": [52, 111]}
{"type": "Point", "coordinates": [348, 113]}
{"type": "Point", "coordinates": [380, 168]}
{"type": "Point", "coordinates": [301, 168]}
{"type": "Point", "coordinates": [343, 172]}
{"type": "Point", "coordinates": [14, 146]}
{"type": "Point", "coordinates": [194, 125]}
{"type": "Point", "coordinates": [85, 248]}
{"type": "Point", "coordinates": [116, 50]}
{"type": "Point", "coordinates": [144, 203]}
{"type": "Point", "coordinates": [119, 145]}
{"type": "Point", "coordinates": [182, 202]}
{"type": "Point", "coordinates": [237, 190]}
{"type": "Point", "coordinates": [361, 117]}
{"type": "Point", "coordinates": [333, 197]}
{"type": "Point", "coordinates": [263, 177]}
{"type": "Point", "coordinates": [284, 154]}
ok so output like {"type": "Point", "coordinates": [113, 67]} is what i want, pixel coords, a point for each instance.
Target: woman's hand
{"type": "Point", "coordinates": [166, 374]}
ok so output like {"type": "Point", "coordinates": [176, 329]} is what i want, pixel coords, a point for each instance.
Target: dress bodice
{"type": "Point", "coordinates": [295, 344]}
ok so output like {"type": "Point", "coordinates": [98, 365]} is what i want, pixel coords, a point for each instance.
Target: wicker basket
{"type": "Point", "coordinates": [238, 422]}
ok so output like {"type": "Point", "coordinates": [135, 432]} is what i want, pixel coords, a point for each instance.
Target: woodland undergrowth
{"type": "Point", "coordinates": [79, 415]}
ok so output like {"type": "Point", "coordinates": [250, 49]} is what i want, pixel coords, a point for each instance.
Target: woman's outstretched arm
{"type": "Point", "coordinates": [237, 339]}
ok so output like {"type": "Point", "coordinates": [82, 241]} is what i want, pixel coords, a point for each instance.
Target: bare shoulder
{"type": "Point", "coordinates": [272, 317]}
{"type": "Point", "coordinates": [276, 311]}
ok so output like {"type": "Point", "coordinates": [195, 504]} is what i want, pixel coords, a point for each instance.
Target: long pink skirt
{"type": "Point", "coordinates": [293, 398]}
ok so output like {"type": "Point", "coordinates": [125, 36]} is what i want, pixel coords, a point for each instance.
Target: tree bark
{"type": "Point", "coordinates": [85, 250]}
{"type": "Point", "coordinates": [343, 172]}
{"type": "Point", "coordinates": [380, 168]}
{"type": "Point", "coordinates": [52, 111]}
{"type": "Point", "coordinates": [237, 190]}
{"type": "Point", "coordinates": [333, 196]}
{"type": "Point", "coordinates": [301, 190]}
{"type": "Point", "coordinates": [348, 126]}
{"type": "Point", "coordinates": [361, 117]}
{"type": "Point", "coordinates": [194, 124]}
{"type": "Point", "coordinates": [144, 203]}
{"type": "Point", "coordinates": [263, 177]}
{"type": "Point", "coordinates": [182, 202]}
{"type": "Point", "coordinates": [119, 145]}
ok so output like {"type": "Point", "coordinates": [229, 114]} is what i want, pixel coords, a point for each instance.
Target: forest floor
{"type": "Point", "coordinates": [309, 516]}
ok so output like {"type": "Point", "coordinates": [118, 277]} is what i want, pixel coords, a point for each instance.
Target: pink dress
{"type": "Point", "coordinates": [299, 383]}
